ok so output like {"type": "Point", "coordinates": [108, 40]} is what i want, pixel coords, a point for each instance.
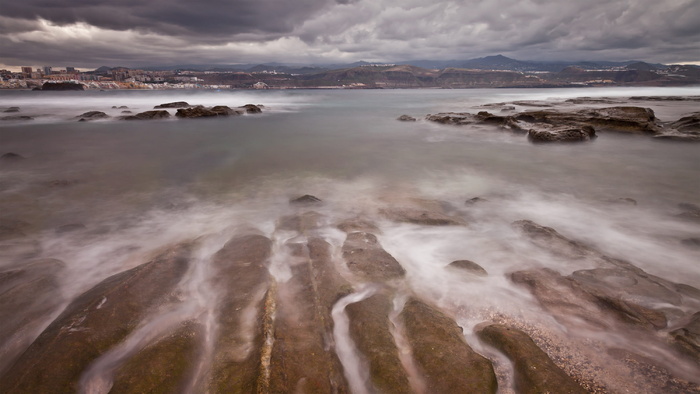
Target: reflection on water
{"type": "Point", "coordinates": [129, 189]}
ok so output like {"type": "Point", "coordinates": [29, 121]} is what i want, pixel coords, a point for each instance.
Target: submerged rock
{"type": "Point", "coordinates": [618, 289]}
{"type": "Point", "coordinates": [10, 228]}
{"type": "Point", "coordinates": [548, 238]}
{"type": "Point", "coordinates": [17, 117]}
{"type": "Point", "coordinates": [357, 224]}
{"type": "Point", "coordinates": [302, 223]}
{"type": "Point", "coordinates": [148, 115]}
{"type": "Point", "coordinates": [11, 156]}
{"type": "Point", "coordinates": [175, 104]}
{"type": "Point", "coordinates": [534, 370]}
{"type": "Point", "coordinates": [406, 118]}
{"type": "Point", "coordinates": [475, 200]}
{"type": "Point", "coordinates": [468, 266]}
{"type": "Point", "coordinates": [691, 242]}
{"type": "Point", "coordinates": [69, 228]}
{"type": "Point", "coordinates": [448, 364]}
{"type": "Point", "coordinates": [93, 323]}
{"type": "Point", "coordinates": [11, 109]}
{"type": "Point", "coordinates": [366, 257]}
{"type": "Point", "coordinates": [687, 338]}
{"type": "Point", "coordinates": [29, 293]}
{"type": "Point", "coordinates": [420, 216]}
{"type": "Point", "coordinates": [306, 199]}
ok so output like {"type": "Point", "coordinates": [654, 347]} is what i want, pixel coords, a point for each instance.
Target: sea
{"type": "Point", "coordinates": [103, 195]}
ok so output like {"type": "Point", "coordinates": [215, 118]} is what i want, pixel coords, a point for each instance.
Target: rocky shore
{"type": "Point", "coordinates": [567, 122]}
{"type": "Point", "coordinates": [342, 319]}
{"type": "Point", "coordinates": [217, 274]}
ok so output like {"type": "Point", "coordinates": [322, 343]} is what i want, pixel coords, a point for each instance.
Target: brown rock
{"type": "Point", "coordinates": [548, 238]}
{"type": "Point", "coordinates": [534, 370]}
{"type": "Point", "coordinates": [306, 199]}
{"type": "Point", "coordinates": [92, 115]}
{"type": "Point", "coordinates": [196, 112]}
{"type": "Point", "coordinates": [175, 104]}
{"type": "Point", "coordinates": [687, 338]}
{"type": "Point", "coordinates": [302, 357]}
{"type": "Point", "coordinates": [448, 364]}
{"type": "Point", "coordinates": [166, 366]}
{"type": "Point", "coordinates": [369, 329]}
{"type": "Point", "coordinates": [148, 115]}
{"type": "Point", "coordinates": [421, 216]}
{"type": "Point", "coordinates": [468, 266]}
{"type": "Point", "coordinates": [366, 257]}
{"type": "Point", "coordinates": [28, 294]}
{"type": "Point", "coordinates": [302, 222]}
{"type": "Point", "coordinates": [561, 134]}
{"type": "Point", "coordinates": [406, 118]}
{"type": "Point", "coordinates": [357, 224]}
{"type": "Point", "coordinates": [243, 281]}
{"type": "Point", "coordinates": [251, 108]}
{"type": "Point", "coordinates": [93, 323]}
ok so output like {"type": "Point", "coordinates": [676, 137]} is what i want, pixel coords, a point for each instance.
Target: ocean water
{"type": "Point", "coordinates": [132, 187]}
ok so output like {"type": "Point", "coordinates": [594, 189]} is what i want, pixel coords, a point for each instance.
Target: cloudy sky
{"type": "Point", "coordinates": [92, 33]}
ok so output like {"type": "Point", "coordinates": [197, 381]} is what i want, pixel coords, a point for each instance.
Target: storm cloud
{"type": "Point", "coordinates": [90, 33]}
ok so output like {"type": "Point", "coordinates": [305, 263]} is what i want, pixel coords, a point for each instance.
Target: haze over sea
{"type": "Point", "coordinates": [132, 188]}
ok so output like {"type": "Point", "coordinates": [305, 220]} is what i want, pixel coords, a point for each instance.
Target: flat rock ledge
{"type": "Point", "coordinates": [556, 125]}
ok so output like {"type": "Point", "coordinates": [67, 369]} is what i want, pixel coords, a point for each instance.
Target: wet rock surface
{"type": "Point", "coordinates": [565, 125]}
{"type": "Point", "coordinates": [370, 329]}
{"type": "Point", "coordinates": [148, 115]}
{"type": "Point", "coordinates": [421, 216]}
{"type": "Point", "coordinates": [94, 322]}
{"type": "Point", "coordinates": [204, 112]}
{"type": "Point", "coordinates": [11, 156]}
{"type": "Point", "coordinates": [468, 266]}
{"type": "Point", "coordinates": [366, 257]}
{"type": "Point", "coordinates": [252, 108]}
{"type": "Point", "coordinates": [28, 292]}
{"type": "Point", "coordinates": [302, 358]}
{"type": "Point", "coordinates": [244, 282]}
{"type": "Point", "coordinates": [92, 115]}
{"type": "Point", "coordinates": [174, 104]}
{"type": "Point", "coordinates": [447, 363]}
{"type": "Point", "coordinates": [166, 366]}
{"type": "Point", "coordinates": [561, 134]}
{"type": "Point", "coordinates": [617, 289]}
{"type": "Point", "coordinates": [534, 370]}
{"type": "Point", "coordinates": [17, 117]}
{"type": "Point", "coordinates": [306, 199]}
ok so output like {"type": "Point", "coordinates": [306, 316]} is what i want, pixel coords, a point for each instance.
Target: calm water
{"type": "Point", "coordinates": [136, 186]}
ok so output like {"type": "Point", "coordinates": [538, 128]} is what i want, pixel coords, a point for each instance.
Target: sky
{"type": "Point", "coordinates": [132, 33]}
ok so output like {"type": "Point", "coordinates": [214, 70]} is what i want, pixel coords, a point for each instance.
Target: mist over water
{"type": "Point", "coordinates": [131, 189]}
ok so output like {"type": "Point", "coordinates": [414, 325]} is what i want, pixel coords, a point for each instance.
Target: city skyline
{"type": "Point", "coordinates": [89, 34]}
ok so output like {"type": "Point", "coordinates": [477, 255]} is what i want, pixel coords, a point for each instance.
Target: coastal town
{"type": "Point", "coordinates": [489, 72]}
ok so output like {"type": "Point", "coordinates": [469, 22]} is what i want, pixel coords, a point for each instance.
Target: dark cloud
{"type": "Point", "coordinates": [213, 19]}
{"type": "Point", "coordinates": [129, 32]}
